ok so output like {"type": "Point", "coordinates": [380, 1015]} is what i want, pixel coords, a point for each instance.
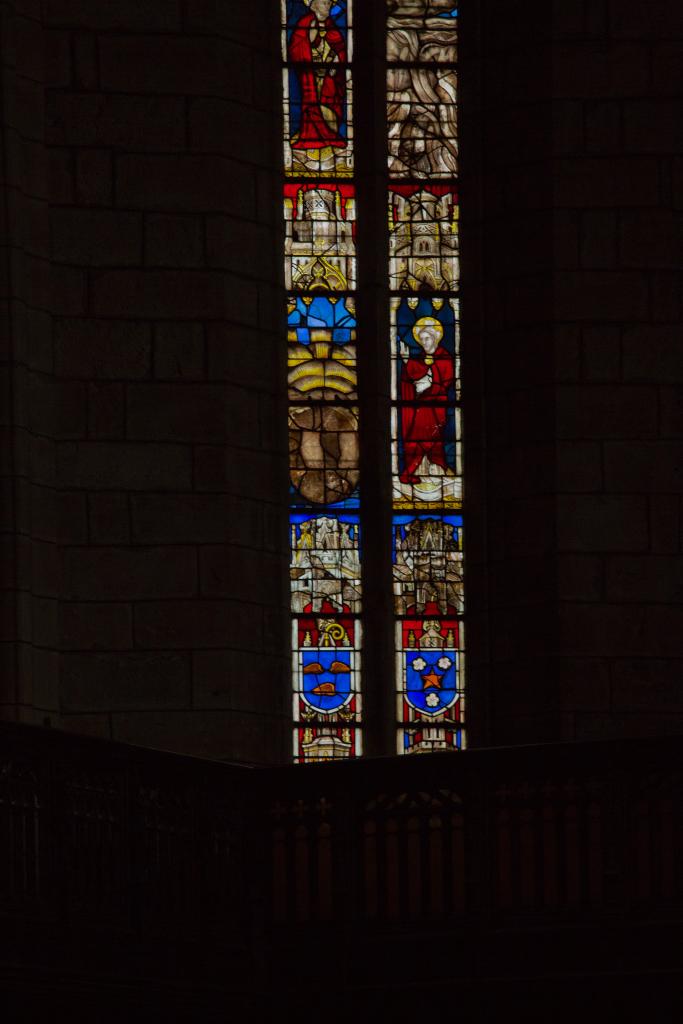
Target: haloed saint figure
{"type": "Point", "coordinates": [317, 46]}
{"type": "Point", "coordinates": [427, 377]}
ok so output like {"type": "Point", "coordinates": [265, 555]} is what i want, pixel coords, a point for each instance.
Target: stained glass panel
{"type": "Point", "coordinates": [319, 237]}
{"type": "Point", "coordinates": [326, 629]}
{"type": "Point", "coordinates": [326, 669]}
{"type": "Point", "coordinates": [325, 563]}
{"type": "Point", "coordinates": [317, 31]}
{"type": "Point", "coordinates": [326, 679]}
{"type": "Point", "coordinates": [317, 147]}
{"type": "Point", "coordinates": [427, 561]}
{"type": "Point", "coordinates": [428, 739]}
{"type": "Point", "coordinates": [423, 238]}
{"type": "Point", "coordinates": [426, 457]}
{"type": "Point", "coordinates": [326, 676]}
{"type": "Point", "coordinates": [429, 663]}
{"type": "Point", "coordinates": [422, 30]}
{"type": "Point", "coordinates": [323, 454]}
{"type": "Point", "coordinates": [326, 672]}
{"type": "Point", "coordinates": [424, 326]}
{"type": "Point", "coordinates": [314, 742]}
{"type": "Point", "coordinates": [321, 334]}
{"type": "Point", "coordinates": [421, 114]}
{"type": "Point", "coordinates": [327, 699]}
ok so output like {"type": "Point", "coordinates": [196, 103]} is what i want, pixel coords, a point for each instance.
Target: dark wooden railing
{"type": "Point", "coordinates": [126, 863]}
{"type": "Point", "coordinates": [550, 830]}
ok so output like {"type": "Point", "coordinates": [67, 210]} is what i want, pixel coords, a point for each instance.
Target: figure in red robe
{"type": "Point", "coordinates": [426, 382]}
{"type": "Point", "coordinates": [316, 41]}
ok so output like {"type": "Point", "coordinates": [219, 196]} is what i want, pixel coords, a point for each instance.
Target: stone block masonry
{"type": "Point", "coordinates": [142, 188]}
{"type": "Point", "coordinates": [596, 648]}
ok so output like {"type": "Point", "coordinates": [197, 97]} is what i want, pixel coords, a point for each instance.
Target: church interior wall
{"type": "Point", "coordinates": [151, 591]}
{"type": "Point", "coordinates": [571, 304]}
{"type": "Point", "coordinates": [144, 454]}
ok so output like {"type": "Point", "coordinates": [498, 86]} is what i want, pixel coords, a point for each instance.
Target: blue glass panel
{"type": "Point", "coordinates": [334, 315]}
{"type": "Point", "coordinates": [431, 683]}
{"type": "Point", "coordinates": [321, 356]}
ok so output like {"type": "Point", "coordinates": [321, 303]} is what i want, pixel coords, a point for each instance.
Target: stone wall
{"type": "Point", "coordinates": [165, 454]}
{"type": "Point", "coordinates": [32, 505]}
{"type": "Point", "coordinates": [619, 425]}
{"type": "Point", "coordinates": [572, 290]}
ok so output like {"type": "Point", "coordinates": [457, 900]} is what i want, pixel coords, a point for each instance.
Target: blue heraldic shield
{"type": "Point", "coordinates": [326, 679]}
{"type": "Point", "coordinates": [431, 681]}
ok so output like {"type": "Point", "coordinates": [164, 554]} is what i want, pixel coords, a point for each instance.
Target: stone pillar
{"type": "Point", "coordinates": [32, 409]}
{"type": "Point", "coordinates": [166, 624]}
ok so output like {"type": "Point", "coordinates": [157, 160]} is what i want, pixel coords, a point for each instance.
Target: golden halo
{"type": "Point", "coordinates": [428, 321]}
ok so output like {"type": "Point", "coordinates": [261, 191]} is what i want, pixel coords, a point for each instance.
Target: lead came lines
{"type": "Point", "coordinates": [322, 382]}
{"type": "Point", "coordinates": [426, 427]}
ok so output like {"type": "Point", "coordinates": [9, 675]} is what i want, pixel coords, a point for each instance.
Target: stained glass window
{"type": "Point", "coordinates": [426, 457]}
{"type": "Point", "coordinates": [426, 424]}
{"type": "Point", "coordinates": [423, 240]}
{"type": "Point", "coordinates": [318, 125]}
{"type": "Point", "coordinates": [429, 671]}
{"type": "Point", "coordinates": [321, 335]}
{"type": "Point", "coordinates": [320, 249]}
{"type": "Point", "coordinates": [322, 378]}
{"type": "Point", "coordinates": [325, 396]}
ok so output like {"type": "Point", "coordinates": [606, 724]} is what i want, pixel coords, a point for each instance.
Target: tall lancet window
{"type": "Point", "coordinates": [327, 509]}
{"type": "Point", "coordinates": [426, 424]}
{"type": "Point", "coordinates": [320, 275]}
